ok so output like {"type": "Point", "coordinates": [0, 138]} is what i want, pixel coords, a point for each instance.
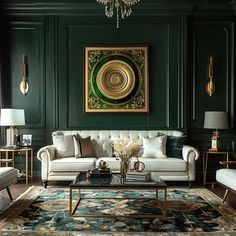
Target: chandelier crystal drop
{"type": "Point", "coordinates": [123, 8]}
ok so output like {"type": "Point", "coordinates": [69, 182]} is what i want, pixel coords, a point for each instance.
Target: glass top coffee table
{"type": "Point", "coordinates": [84, 181]}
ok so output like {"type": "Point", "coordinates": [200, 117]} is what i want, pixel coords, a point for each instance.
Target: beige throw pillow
{"type": "Point", "coordinates": [64, 145]}
{"type": "Point", "coordinates": [154, 147]}
{"type": "Point", "coordinates": [76, 139]}
{"type": "Point", "coordinates": [83, 147]}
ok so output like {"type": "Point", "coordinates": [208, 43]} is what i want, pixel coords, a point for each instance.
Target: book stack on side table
{"type": "Point", "coordinates": [138, 176]}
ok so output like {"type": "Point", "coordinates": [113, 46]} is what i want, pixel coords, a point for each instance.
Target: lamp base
{"type": "Point", "coordinates": [215, 142]}
{"type": "Point", "coordinates": [11, 133]}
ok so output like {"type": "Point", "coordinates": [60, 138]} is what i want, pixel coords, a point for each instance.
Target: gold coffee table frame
{"type": "Point", "coordinates": [162, 206]}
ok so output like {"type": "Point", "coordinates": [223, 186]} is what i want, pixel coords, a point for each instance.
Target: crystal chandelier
{"type": "Point", "coordinates": [123, 8]}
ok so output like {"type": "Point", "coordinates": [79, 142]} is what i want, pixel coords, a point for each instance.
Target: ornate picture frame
{"type": "Point", "coordinates": [116, 79]}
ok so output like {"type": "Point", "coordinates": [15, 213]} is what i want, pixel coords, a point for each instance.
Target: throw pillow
{"type": "Point", "coordinates": [83, 147]}
{"type": "Point", "coordinates": [174, 146]}
{"type": "Point", "coordinates": [64, 145]}
{"type": "Point", "coordinates": [76, 139]}
{"type": "Point", "coordinates": [154, 147]}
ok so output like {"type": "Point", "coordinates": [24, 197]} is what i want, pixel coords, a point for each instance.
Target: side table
{"type": "Point", "coordinates": [205, 154]}
{"type": "Point", "coordinates": [10, 152]}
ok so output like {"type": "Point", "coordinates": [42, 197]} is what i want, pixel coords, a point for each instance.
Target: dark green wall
{"type": "Point", "coordinates": [181, 37]}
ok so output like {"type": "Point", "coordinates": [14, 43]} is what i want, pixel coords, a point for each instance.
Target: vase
{"type": "Point", "coordinates": [124, 168]}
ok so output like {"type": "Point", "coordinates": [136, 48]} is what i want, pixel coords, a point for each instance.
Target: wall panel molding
{"type": "Point", "coordinates": [27, 37]}
{"type": "Point", "coordinates": [222, 50]}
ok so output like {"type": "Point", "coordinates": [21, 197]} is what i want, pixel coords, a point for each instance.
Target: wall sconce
{"type": "Point", "coordinates": [24, 85]}
{"type": "Point", "coordinates": [210, 87]}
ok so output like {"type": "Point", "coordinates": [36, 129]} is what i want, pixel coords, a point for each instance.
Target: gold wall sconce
{"type": "Point", "coordinates": [24, 85]}
{"type": "Point", "coordinates": [210, 86]}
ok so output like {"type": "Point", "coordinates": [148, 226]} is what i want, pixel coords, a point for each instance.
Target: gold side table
{"type": "Point", "coordinates": [205, 154]}
{"type": "Point", "coordinates": [11, 153]}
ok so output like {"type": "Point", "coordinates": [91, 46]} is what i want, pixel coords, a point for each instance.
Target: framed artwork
{"type": "Point", "coordinates": [26, 140]}
{"type": "Point", "coordinates": [116, 79]}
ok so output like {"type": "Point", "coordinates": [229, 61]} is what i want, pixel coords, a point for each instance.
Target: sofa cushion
{"type": "Point", "coordinates": [164, 164]}
{"type": "Point", "coordinates": [174, 146]}
{"type": "Point", "coordinates": [154, 147]}
{"type": "Point", "coordinates": [64, 145]}
{"type": "Point", "coordinates": [83, 147]}
{"type": "Point", "coordinates": [73, 164]}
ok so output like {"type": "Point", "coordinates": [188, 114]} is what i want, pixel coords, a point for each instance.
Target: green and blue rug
{"type": "Point", "coordinates": [47, 211]}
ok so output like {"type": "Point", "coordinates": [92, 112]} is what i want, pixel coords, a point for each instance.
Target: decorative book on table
{"type": "Point", "coordinates": [138, 176]}
{"type": "Point", "coordinates": [97, 173]}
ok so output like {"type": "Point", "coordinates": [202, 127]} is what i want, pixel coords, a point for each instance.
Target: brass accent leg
{"type": "Point", "coordinates": [165, 201]}
{"type": "Point", "coordinates": [72, 210]}
{"type": "Point", "coordinates": [26, 166]}
{"type": "Point", "coordinates": [7, 158]}
{"type": "Point", "coordinates": [70, 206]}
{"type": "Point", "coordinates": [31, 163]}
{"type": "Point", "coordinates": [225, 195]}
{"type": "Point", "coordinates": [205, 170]}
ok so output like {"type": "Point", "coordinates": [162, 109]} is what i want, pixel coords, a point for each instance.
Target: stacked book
{"type": "Point", "coordinates": [97, 173]}
{"type": "Point", "coordinates": [138, 176]}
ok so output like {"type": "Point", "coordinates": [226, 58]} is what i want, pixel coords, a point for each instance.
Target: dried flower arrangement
{"type": "Point", "coordinates": [125, 150]}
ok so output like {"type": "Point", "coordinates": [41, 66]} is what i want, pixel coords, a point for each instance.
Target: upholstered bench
{"type": "Point", "coordinates": [8, 176]}
{"type": "Point", "coordinates": [227, 178]}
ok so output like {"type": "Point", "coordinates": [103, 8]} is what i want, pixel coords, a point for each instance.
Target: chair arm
{"type": "Point", "coordinates": [228, 163]}
{"type": "Point", "coordinates": [49, 150]}
{"type": "Point", "coordinates": [189, 151]}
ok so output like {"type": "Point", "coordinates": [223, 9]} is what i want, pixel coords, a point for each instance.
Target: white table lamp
{"type": "Point", "coordinates": [12, 118]}
{"type": "Point", "coordinates": [216, 120]}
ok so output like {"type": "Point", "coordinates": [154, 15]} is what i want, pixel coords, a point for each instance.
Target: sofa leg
{"type": "Point", "coordinates": [45, 183]}
{"type": "Point", "coordinates": [225, 195]}
{"type": "Point", "coordinates": [190, 184]}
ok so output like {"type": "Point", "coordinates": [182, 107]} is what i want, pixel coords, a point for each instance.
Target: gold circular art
{"type": "Point", "coordinates": [115, 79]}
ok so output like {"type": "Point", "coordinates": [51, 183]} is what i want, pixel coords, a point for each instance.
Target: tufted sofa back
{"type": "Point", "coordinates": [110, 134]}
{"type": "Point", "coordinates": [100, 138]}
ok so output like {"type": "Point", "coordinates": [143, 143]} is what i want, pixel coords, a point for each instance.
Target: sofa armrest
{"type": "Point", "coordinates": [189, 153]}
{"type": "Point", "coordinates": [49, 151]}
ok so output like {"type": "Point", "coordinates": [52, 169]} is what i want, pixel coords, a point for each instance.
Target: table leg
{"type": "Point", "coordinates": [26, 166]}
{"type": "Point", "coordinates": [13, 159]}
{"type": "Point", "coordinates": [70, 201]}
{"type": "Point", "coordinates": [203, 167]}
{"type": "Point", "coordinates": [7, 157]}
{"type": "Point", "coordinates": [165, 201]}
{"type": "Point", "coordinates": [31, 162]}
{"type": "Point", "coordinates": [205, 170]}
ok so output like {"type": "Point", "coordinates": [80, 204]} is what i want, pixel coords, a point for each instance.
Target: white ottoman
{"type": "Point", "coordinates": [8, 176]}
{"type": "Point", "coordinates": [227, 178]}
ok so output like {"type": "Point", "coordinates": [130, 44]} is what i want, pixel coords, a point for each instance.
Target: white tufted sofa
{"type": "Point", "coordinates": [64, 169]}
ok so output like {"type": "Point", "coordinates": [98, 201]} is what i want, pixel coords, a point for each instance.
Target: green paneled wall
{"type": "Point", "coordinates": [181, 37]}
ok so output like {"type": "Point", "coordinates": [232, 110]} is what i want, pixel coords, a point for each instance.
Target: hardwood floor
{"type": "Point", "coordinates": [19, 188]}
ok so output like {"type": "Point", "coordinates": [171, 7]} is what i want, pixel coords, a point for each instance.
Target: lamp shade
{"type": "Point", "coordinates": [12, 117]}
{"type": "Point", "coordinates": [216, 120]}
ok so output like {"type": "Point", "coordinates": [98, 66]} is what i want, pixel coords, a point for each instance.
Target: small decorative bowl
{"type": "Point", "coordinates": [102, 165]}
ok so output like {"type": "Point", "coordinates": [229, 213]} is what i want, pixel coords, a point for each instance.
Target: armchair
{"type": "Point", "coordinates": [227, 177]}
{"type": "Point", "coordinates": [8, 176]}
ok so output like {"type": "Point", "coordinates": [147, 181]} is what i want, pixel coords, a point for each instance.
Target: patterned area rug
{"type": "Point", "coordinates": [45, 211]}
